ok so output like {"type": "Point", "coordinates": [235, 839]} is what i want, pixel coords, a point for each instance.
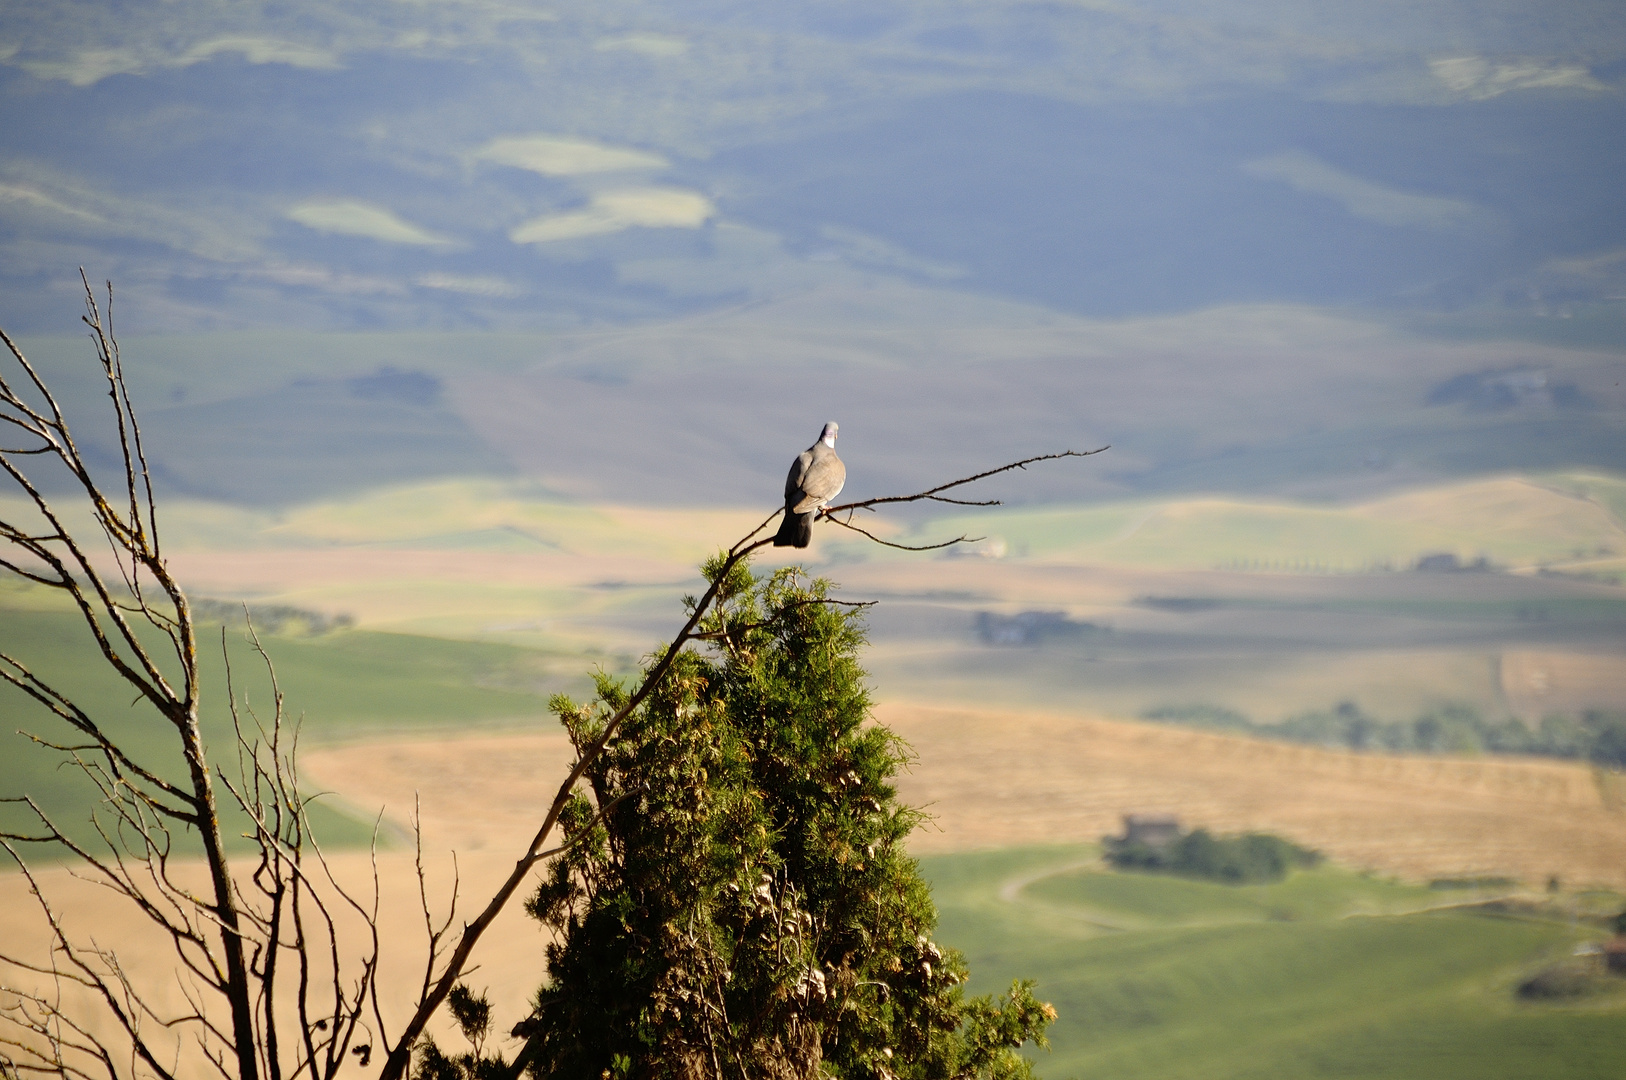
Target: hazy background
{"type": "Point", "coordinates": [498, 165]}
{"type": "Point", "coordinates": [462, 330]}
{"type": "Point", "coordinates": [480, 266]}
{"type": "Point", "coordinates": [1286, 247]}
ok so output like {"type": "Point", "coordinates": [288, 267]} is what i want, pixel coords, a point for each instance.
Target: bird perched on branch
{"type": "Point", "coordinates": [816, 477]}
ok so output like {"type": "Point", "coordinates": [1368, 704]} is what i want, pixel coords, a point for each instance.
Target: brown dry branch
{"type": "Point", "coordinates": [290, 898]}
{"type": "Point", "coordinates": [719, 573]}
{"type": "Point", "coordinates": [931, 495]}
{"type": "Point", "coordinates": [233, 941]}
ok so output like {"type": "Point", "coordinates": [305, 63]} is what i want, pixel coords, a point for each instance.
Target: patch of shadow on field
{"type": "Point", "coordinates": [1399, 644]}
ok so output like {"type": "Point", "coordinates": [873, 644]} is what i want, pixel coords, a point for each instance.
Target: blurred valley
{"type": "Point", "coordinates": [461, 333]}
{"type": "Point", "coordinates": [1330, 528]}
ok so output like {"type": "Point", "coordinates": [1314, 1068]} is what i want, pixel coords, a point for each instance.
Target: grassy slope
{"type": "Point", "coordinates": [478, 515]}
{"type": "Point", "coordinates": [341, 685]}
{"type": "Point", "coordinates": [483, 559]}
{"type": "Point", "coordinates": [1514, 522]}
{"type": "Point", "coordinates": [1558, 521]}
{"type": "Point", "coordinates": [1321, 976]}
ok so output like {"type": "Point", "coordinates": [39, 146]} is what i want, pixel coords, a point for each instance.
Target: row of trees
{"type": "Point", "coordinates": [724, 867]}
{"type": "Point", "coordinates": [1248, 858]}
{"type": "Point", "coordinates": [1596, 735]}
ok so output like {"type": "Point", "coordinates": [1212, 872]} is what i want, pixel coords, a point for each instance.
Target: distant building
{"type": "Point", "coordinates": [1153, 830]}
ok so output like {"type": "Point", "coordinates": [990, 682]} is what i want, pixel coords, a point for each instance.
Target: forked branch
{"type": "Point", "coordinates": [400, 1056]}
{"type": "Point", "coordinates": [234, 940]}
{"type": "Point", "coordinates": [931, 494]}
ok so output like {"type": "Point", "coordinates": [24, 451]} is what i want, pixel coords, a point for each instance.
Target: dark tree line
{"type": "Point", "coordinates": [1595, 735]}
{"type": "Point", "coordinates": [1246, 859]}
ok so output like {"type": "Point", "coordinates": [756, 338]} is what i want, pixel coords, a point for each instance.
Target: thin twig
{"type": "Point", "coordinates": [931, 493]}
{"type": "Point", "coordinates": [400, 1054]}
{"type": "Point", "coordinates": [961, 539]}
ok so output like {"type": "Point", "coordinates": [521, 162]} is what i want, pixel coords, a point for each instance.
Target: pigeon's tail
{"type": "Point", "coordinates": [795, 531]}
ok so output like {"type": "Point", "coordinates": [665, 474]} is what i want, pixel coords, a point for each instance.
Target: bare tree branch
{"type": "Point", "coordinates": [961, 539]}
{"type": "Point", "coordinates": [400, 1054]}
{"type": "Point", "coordinates": [233, 940]}
{"type": "Point", "coordinates": [931, 493]}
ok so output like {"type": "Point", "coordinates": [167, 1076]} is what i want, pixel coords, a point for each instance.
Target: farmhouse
{"type": "Point", "coordinates": [1153, 830]}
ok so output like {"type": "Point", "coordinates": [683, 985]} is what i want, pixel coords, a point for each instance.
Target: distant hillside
{"type": "Point", "coordinates": [928, 383]}
{"type": "Point", "coordinates": [1511, 523]}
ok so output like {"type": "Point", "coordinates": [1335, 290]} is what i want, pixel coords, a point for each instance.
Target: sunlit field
{"type": "Point", "coordinates": [1328, 974]}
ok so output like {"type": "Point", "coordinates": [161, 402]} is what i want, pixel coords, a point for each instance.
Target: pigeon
{"type": "Point", "coordinates": [816, 477]}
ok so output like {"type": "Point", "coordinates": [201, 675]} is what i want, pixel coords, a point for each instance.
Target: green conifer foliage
{"type": "Point", "coordinates": [736, 900]}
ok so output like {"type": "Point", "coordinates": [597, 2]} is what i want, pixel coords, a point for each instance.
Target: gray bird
{"type": "Point", "coordinates": [816, 477]}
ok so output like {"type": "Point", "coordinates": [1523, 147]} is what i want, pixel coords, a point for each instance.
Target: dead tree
{"type": "Point", "coordinates": [256, 951]}
{"type": "Point", "coordinates": [277, 984]}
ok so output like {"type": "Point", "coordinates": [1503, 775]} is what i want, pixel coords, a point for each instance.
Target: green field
{"type": "Point", "coordinates": [1328, 974]}
{"type": "Point", "coordinates": [341, 685]}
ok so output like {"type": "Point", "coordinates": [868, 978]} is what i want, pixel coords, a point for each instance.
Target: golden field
{"type": "Point", "coordinates": [993, 778]}
{"type": "Point", "coordinates": [989, 778]}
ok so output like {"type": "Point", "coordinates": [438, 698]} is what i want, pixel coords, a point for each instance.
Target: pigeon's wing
{"type": "Point", "coordinates": [823, 481]}
{"type": "Point", "coordinates": [793, 482]}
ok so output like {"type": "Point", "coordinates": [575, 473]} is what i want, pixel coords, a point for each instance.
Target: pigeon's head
{"type": "Point", "coordinates": [828, 437]}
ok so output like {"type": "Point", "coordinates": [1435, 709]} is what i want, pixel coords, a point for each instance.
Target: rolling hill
{"type": "Point", "coordinates": [1325, 975]}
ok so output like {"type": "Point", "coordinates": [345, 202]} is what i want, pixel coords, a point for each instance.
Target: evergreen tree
{"type": "Point", "coordinates": [736, 900]}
